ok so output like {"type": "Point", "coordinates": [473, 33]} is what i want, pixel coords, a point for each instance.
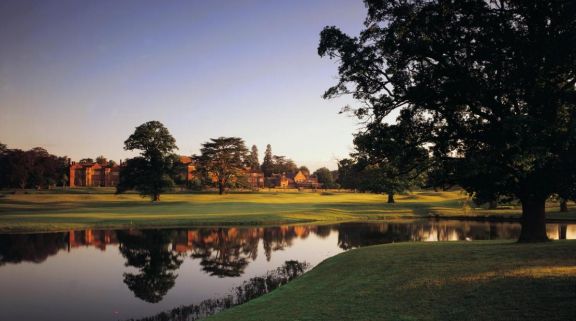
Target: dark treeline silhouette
{"type": "Point", "coordinates": [249, 290]}
{"type": "Point", "coordinates": [34, 168]}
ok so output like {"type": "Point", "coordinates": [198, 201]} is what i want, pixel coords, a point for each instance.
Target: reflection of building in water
{"type": "Point", "coordinates": [96, 238]}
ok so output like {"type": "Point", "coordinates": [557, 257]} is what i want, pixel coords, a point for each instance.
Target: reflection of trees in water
{"type": "Point", "coordinates": [323, 231]}
{"type": "Point", "coordinates": [249, 290]}
{"type": "Point", "coordinates": [562, 229]}
{"type": "Point", "coordinates": [353, 235]}
{"type": "Point", "coordinates": [151, 253]}
{"type": "Point", "coordinates": [17, 248]}
{"type": "Point", "coordinates": [277, 238]}
{"type": "Point", "coordinates": [225, 252]}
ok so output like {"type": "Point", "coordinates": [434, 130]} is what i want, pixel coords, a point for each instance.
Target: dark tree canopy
{"type": "Point", "coordinates": [254, 163]}
{"type": "Point", "coordinates": [151, 173]}
{"type": "Point", "coordinates": [487, 86]}
{"type": "Point", "coordinates": [324, 176]}
{"type": "Point", "coordinates": [102, 160]}
{"type": "Point", "coordinates": [393, 156]}
{"type": "Point", "coordinates": [223, 160]}
{"type": "Point", "coordinates": [283, 165]}
{"type": "Point", "coordinates": [152, 139]}
{"type": "Point", "coordinates": [267, 163]}
{"type": "Point", "coordinates": [34, 168]}
{"type": "Point", "coordinates": [149, 252]}
{"type": "Point", "coordinates": [86, 161]}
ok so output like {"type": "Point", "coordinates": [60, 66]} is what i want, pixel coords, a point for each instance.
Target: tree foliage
{"type": "Point", "coordinates": [101, 160]}
{"type": "Point", "coordinates": [155, 263]}
{"type": "Point", "coordinates": [34, 168]}
{"type": "Point", "coordinates": [283, 165]}
{"type": "Point", "coordinates": [223, 160]}
{"type": "Point", "coordinates": [487, 86]}
{"type": "Point", "coordinates": [393, 156]}
{"type": "Point", "coordinates": [253, 161]}
{"type": "Point", "coordinates": [267, 163]}
{"type": "Point", "coordinates": [324, 176]}
{"type": "Point", "coordinates": [150, 173]}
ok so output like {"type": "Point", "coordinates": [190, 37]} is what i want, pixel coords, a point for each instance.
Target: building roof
{"type": "Point", "coordinates": [185, 159]}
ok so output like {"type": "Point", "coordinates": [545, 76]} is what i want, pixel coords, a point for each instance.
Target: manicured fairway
{"type": "Point", "coordinates": [482, 280]}
{"type": "Point", "coordinates": [75, 210]}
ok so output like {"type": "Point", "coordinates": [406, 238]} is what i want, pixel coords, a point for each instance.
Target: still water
{"type": "Point", "coordinates": [121, 274]}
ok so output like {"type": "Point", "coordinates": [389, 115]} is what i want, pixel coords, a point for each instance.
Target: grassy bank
{"type": "Point", "coordinates": [78, 209]}
{"type": "Point", "coordinates": [483, 280]}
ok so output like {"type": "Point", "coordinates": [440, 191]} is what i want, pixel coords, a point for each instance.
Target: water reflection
{"type": "Point", "coordinates": [153, 258]}
{"type": "Point", "coordinates": [17, 248]}
{"type": "Point", "coordinates": [249, 290]}
{"type": "Point", "coordinates": [225, 252]}
{"type": "Point", "coordinates": [150, 252]}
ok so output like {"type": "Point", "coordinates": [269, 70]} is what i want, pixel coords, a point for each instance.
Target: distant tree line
{"type": "Point", "coordinates": [34, 168]}
{"type": "Point", "coordinates": [223, 163]}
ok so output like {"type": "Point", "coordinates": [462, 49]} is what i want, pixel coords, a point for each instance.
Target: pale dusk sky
{"type": "Point", "coordinates": [77, 76]}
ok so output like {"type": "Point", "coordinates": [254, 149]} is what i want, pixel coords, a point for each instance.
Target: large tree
{"type": "Point", "coordinates": [488, 86]}
{"type": "Point", "coordinates": [223, 160]}
{"type": "Point", "coordinates": [150, 173]}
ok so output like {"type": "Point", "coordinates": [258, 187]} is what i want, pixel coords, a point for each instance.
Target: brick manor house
{"type": "Point", "coordinates": [108, 175]}
{"type": "Point", "coordinates": [93, 174]}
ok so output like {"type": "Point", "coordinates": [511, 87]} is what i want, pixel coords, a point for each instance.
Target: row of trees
{"type": "Point", "coordinates": [222, 161]}
{"type": "Point", "coordinates": [34, 168]}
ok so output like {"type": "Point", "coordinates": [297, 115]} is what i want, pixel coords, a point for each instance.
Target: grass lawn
{"type": "Point", "coordinates": [78, 209]}
{"type": "Point", "coordinates": [481, 280]}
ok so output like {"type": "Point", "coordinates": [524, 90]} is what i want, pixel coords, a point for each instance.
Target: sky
{"type": "Point", "coordinates": [77, 76]}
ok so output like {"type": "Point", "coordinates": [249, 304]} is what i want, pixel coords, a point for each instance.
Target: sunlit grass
{"type": "Point", "coordinates": [483, 280]}
{"type": "Point", "coordinates": [59, 211]}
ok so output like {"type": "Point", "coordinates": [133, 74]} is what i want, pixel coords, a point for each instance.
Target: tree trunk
{"type": "Point", "coordinates": [533, 220]}
{"type": "Point", "coordinates": [220, 188]}
{"type": "Point", "coordinates": [562, 229]}
{"type": "Point", "coordinates": [156, 198]}
{"type": "Point", "coordinates": [563, 205]}
{"type": "Point", "coordinates": [493, 205]}
{"type": "Point", "coordinates": [391, 198]}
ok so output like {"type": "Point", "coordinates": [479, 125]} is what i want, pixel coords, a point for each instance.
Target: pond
{"type": "Point", "coordinates": [122, 274]}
